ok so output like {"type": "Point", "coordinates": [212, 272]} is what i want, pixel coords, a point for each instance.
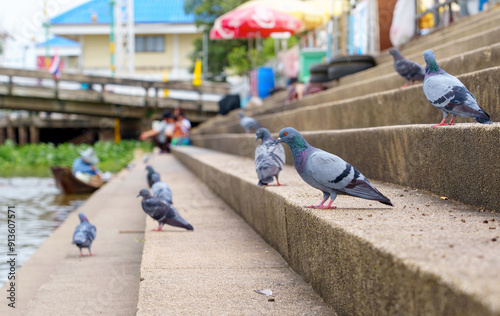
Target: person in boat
{"type": "Point", "coordinates": [161, 133]}
{"type": "Point", "coordinates": [84, 167]}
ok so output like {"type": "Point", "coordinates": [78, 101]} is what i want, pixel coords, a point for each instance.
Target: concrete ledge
{"type": "Point", "coordinates": [425, 256]}
{"type": "Point", "coordinates": [393, 107]}
{"type": "Point", "coordinates": [460, 162]}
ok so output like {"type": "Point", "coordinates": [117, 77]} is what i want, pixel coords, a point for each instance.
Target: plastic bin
{"type": "Point", "coordinates": [265, 81]}
{"type": "Point", "coordinates": [307, 58]}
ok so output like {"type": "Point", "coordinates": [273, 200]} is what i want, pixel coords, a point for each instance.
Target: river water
{"type": "Point", "coordinates": [40, 208]}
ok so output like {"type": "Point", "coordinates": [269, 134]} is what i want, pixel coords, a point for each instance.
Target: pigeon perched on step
{"type": "Point", "coordinates": [160, 189]}
{"type": "Point", "coordinates": [248, 123]}
{"type": "Point", "coordinates": [149, 175]}
{"type": "Point", "coordinates": [84, 234]}
{"type": "Point", "coordinates": [269, 158]}
{"type": "Point", "coordinates": [327, 172]}
{"type": "Point", "coordinates": [408, 69]}
{"type": "Point", "coordinates": [449, 94]}
{"type": "Point", "coordinates": [161, 211]}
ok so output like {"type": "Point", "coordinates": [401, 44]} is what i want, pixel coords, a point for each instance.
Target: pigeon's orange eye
{"type": "Point", "coordinates": [285, 133]}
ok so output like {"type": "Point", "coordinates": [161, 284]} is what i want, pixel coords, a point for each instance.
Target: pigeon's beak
{"type": "Point", "coordinates": [138, 195]}
{"type": "Point", "coordinates": [278, 140]}
{"type": "Point", "coordinates": [256, 138]}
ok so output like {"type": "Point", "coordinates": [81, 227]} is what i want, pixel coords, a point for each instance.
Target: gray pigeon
{"type": "Point", "coordinates": [408, 69]}
{"type": "Point", "coordinates": [327, 172]}
{"type": "Point", "coordinates": [149, 175]}
{"type": "Point", "coordinates": [269, 158]}
{"type": "Point", "coordinates": [84, 234]}
{"type": "Point", "coordinates": [248, 123]}
{"type": "Point", "coordinates": [161, 211]}
{"type": "Point", "coordinates": [161, 189]}
{"type": "Point", "coordinates": [449, 94]}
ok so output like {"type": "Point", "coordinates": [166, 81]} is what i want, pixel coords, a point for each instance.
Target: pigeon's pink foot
{"type": "Point", "coordinates": [404, 86]}
{"type": "Point", "coordinates": [452, 119]}
{"type": "Point", "coordinates": [82, 255]}
{"type": "Point", "coordinates": [158, 229]}
{"type": "Point", "coordinates": [443, 122]}
{"type": "Point", "coordinates": [90, 253]}
{"type": "Point", "coordinates": [320, 207]}
{"type": "Point", "coordinates": [330, 206]}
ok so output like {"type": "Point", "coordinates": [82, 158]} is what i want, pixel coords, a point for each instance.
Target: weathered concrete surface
{"type": "Point", "coordinates": [56, 281]}
{"type": "Point", "coordinates": [461, 162]}
{"type": "Point", "coordinates": [425, 256]}
{"type": "Point", "coordinates": [215, 269]}
{"type": "Point", "coordinates": [394, 107]}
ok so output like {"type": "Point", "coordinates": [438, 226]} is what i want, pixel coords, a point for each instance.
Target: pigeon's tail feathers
{"type": "Point", "coordinates": [364, 189]}
{"type": "Point", "coordinates": [265, 182]}
{"type": "Point", "coordinates": [388, 202]}
{"type": "Point", "coordinates": [189, 227]}
{"type": "Point", "coordinates": [79, 238]}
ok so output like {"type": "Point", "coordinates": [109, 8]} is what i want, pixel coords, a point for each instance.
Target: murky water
{"type": "Point", "coordinates": [40, 207]}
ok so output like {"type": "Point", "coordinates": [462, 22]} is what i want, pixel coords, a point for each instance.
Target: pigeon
{"type": "Point", "coordinates": [248, 123]}
{"type": "Point", "coordinates": [148, 176]}
{"type": "Point", "coordinates": [84, 234]}
{"type": "Point", "coordinates": [449, 94]}
{"type": "Point", "coordinates": [161, 211]}
{"type": "Point", "coordinates": [269, 158]}
{"type": "Point", "coordinates": [161, 189]}
{"type": "Point", "coordinates": [327, 172]}
{"type": "Point", "coordinates": [408, 69]}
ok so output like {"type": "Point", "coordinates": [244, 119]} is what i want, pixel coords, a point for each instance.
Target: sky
{"type": "Point", "coordinates": [23, 20]}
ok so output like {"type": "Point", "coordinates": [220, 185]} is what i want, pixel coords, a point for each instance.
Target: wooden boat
{"type": "Point", "coordinates": [69, 184]}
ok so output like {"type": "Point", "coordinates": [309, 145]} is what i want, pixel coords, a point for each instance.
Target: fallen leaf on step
{"type": "Point", "coordinates": [264, 292]}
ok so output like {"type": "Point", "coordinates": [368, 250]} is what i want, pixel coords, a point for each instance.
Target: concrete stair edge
{"type": "Point", "coordinates": [459, 162]}
{"type": "Point", "coordinates": [353, 274]}
{"type": "Point", "coordinates": [392, 107]}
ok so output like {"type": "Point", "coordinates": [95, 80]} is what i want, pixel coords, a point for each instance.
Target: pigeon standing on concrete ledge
{"type": "Point", "coordinates": [161, 211]}
{"type": "Point", "coordinates": [84, 234]}
{"type": "Point", "coordinates": [248, 123]}
{"type": "Point", "coordinates": [449, 94]}
{"type": "Point", "coordinates": [149, 175]}
{"type": "Point", "coordinates": [408, 69]}
{"type": "Point", "coordinates": [269, 158]}
{"type": "Point", "coordinates": [160, 189]}
{"type": "Point", "coordinates": [327, 172]}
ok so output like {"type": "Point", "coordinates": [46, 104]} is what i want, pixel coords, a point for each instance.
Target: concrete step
{"type": "Point", "coordinates": [215, 269]}
{"type": "Point", "coordinates": [425, 256]}
{"type": "Point", "coordinates": [460, 162]}
{"type": "Point", "coordinates": [469, 62]}
{"type": "Point", "coordinates": [393, 107]}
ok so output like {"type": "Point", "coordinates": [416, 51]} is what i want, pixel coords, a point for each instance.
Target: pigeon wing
{"type": "Point", "coordinates": [156, 208]}
{"type": "Point", "coordinates": [162, 190]}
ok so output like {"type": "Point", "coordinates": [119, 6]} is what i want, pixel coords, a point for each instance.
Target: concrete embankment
{"type": "Point", "coordinates": [215, 269]}
{"type": "Point", "coordinates": [425, 256]}
{"type": "Point", "coordinates": [56, 281]}
{"type": "Point", "coordinates": [460, 162]}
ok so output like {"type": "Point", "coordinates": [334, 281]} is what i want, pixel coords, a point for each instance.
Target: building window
{"type": "Point", "coordinates": [149, 43]}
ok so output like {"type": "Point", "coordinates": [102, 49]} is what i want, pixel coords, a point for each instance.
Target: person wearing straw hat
{"type": "Point", "coordinates": [84, 167]}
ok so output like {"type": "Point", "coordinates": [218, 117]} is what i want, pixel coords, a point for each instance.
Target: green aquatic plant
{"type": "Point", "coordinates": [35, 160]}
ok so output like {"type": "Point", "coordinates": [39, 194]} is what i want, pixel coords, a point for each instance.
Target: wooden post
{"type": "Point", "coordinates": [2, 135]}
{"type": "Point", "coordinates": [34, 134]}
{"type": "Point", "coordinates": [9, 86]}
{"type": "Point", "coordinates": [23, 135]}
{"type": "Point", "coordinates": [11, 133]}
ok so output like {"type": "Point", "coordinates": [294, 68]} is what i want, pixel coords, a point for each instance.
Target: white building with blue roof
{"type": "Point", "coordinates": [164, 34]}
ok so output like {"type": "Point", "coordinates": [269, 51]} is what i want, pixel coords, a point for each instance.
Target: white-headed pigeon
{"type": "Point", "coordinates": [269, 158]}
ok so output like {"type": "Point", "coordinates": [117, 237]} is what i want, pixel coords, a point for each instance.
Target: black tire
{"type": "Point", "coordinates": [319, 78]}
{"type": "Point", "coordinates": [318, 69]}
{"type": "Point", "coordinates": [341, 70]}
{"type": "Point", "coordinates": [352, 59]}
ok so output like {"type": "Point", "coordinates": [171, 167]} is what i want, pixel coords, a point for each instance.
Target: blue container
{"type": "Point", "coordinates": [265, 81]}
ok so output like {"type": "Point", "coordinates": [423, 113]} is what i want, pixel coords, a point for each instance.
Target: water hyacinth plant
{"type": "Point", "coordinates": [35, 160]}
